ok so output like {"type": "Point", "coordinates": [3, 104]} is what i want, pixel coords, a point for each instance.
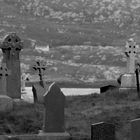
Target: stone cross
{"type": "Point", "coordinates": [102, 131]}
{"type": "Point", "coordinates": [131, 51]}
{"type": "Point", "coordinates": [11, 47]}
{"type": "Point", "coordinates": [40, 67]}
{"type": "Point", "coordinates": [4, 72]}
{"type": "Point", "coordinates": [54, 102]}
{"type": "Point", "coordinates": [135, 129]}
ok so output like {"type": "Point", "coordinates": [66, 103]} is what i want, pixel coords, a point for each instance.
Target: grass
{"type": "Point", "coordinates": [80, 113]}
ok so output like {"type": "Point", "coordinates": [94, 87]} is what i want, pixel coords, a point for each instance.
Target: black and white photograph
{"type": "Point", "coordinates": [69, 69]}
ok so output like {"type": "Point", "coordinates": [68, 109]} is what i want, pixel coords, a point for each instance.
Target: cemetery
{"type": "Point", "coordinates": [114, 114]}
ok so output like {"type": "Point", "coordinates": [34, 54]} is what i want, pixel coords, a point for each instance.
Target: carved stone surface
{"type": "Point", "coordinates": [4, 72]}
{"type": "Point", "coordinates": [12, 41]}
{"type": "Point", "coordinates": [40, 67]}
{"type": "Point", "coordinates": [131, 51]}
{"type": "Point", "coordinates": [11, 47]}
{"type": "Point", "coordinates": [38, 92]}
{"type": "Point", "coordinates": [102, 131]}
{"type": "Point", "coordinates": [40, 88]}
{"type": "Point", "coordinates": [128, 81]}
{"type": "Point", "coordinates": [135, 129]}
{"type": "Point", "coordinates": [54, 102]}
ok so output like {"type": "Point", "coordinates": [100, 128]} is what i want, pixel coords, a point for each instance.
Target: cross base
{"type": "Point", "coordinates": [55, 136]}
{"type": "Point", "coordinates": [128, 80]}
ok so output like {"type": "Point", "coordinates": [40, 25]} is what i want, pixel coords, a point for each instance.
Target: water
{"type": "Point", "coordinates": [79, 91]}
{"type": "Point", "coordinates": [28, 95]}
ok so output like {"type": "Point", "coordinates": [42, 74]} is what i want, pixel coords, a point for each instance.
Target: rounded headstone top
{"type": "Point", "coordinates": [53, 90]}
{"type": "Point", "coordinates": [12, 41]}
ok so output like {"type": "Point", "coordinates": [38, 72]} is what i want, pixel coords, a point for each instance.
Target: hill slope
{"type": "Point", "coordinates": [80, 34]}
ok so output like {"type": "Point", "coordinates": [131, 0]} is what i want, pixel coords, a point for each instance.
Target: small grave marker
{"type": "Point", "coordinates": [39, 89]}
{"type": "Point", "coordinates": [11, 47]}
{"type": "Point", "coordinates": [4, 72]}
{"type": "Point", "coordinates": [54, 102]}
{"type": "Point", "coordinates": [40, 67]}
{"type": "Point", "coordinates": [135, 129]}
{"type": "Point", "coordinates": [102, 131]}
{"type": "Point", "coordinates": [24, 78]}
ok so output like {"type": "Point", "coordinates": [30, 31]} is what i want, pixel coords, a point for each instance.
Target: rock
{"type": "Point", "coordinates": [6, 103]}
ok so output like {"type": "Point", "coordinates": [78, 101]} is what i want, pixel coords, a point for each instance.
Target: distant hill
{"type": "Point", "coordinates": [86, 37]}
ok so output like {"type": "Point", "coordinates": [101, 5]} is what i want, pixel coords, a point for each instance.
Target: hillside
{"type": "Point", "coordinates": [80, 113]}
{"type": "Point", "coordinates": [86, 37]}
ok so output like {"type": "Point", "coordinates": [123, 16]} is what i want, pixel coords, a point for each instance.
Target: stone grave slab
{"type": "Point", "coordinates": [54, 103]}
{"type": "Point", "coordinates": [11, 47]}
{"type": "Point", "coordinates": [135, 129]}
{"type": "Point", "coordinates": [128, 81]}
{"type": "Point", "coordinates": [38, 92]}
{"type": "Point", "coordinates": [4, 72]}
{"type": "Point", "coordinates": [24, 78]}
{"type": "Point", "coordinates": [36, 137]}
{"type": "Point", "coordinates": [102, 131]}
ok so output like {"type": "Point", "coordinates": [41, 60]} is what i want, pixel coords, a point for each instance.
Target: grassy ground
{"type": "Point", "coordinates": [80, 113]}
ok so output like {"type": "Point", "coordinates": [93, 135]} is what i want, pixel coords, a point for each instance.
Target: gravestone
{"type": "Point", "coordinates": [128, 80]}
{"type": "Point", "coordinates": [135, 129]}
{"type": "Point", "coordinates": [40, 88]}
{"type": "Point", "coordinates": [24, 78]}
{"type": "Point", "coordinates": [54, 101]}
{"type": "Point", "coordinates": [54, 104]}
{"type": "Point", "coordinates": [6, 103]}
{"type": "Point", "coordinates": [4, 72]}
{"type": "Point", "coordinates": [11, 47]}
{"type": "Point", "coordinates": [102, 131]}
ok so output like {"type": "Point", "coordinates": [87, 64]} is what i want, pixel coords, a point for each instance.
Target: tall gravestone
{"type": "Point", "coordinates": [102, 131]}
{"type": "Point", "coordinates": [6, 103]}
{"type": "Point", "coordinates": [54, 104]}
{"type": "Point", "coordinates": [128, 80]}
{"type": "Point", "coordinates": [54, 101]}
{"type": "Point", "coordinates": [11, 47]}
{"type": "Point", "coordinates": [4, 72]}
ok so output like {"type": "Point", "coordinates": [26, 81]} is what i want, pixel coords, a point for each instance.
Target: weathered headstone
{"type": "Point", "coordinates": [54, 103]}
{"type": "Point", "coordinates": [102, 131]}
{"type": "Point", "coordinates": [135, 129]}
{"type": "Point", "coordinates": [24, 78]}
{"type": "Point", "coordinates": [128, 80]}
{"type": "Point", "coordinates": [11, 47]}
{"type": "Point", "coordinates": [40, 67]}
{"type": "Point", "coordinates": [40, 88]}
{"type": "Point", "coordinates": [4, 72]}
{"type": "Point", "coordinates": [6, 103]}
